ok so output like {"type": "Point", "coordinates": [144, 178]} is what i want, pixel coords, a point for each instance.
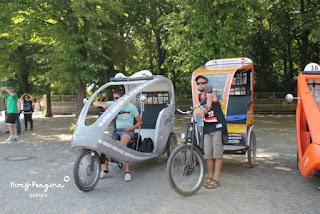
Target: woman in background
{"type": "Point", "coordinates": [27, 110]}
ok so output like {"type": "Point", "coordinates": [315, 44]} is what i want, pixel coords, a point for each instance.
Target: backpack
{"type": "Point", "coordinates": [27, 106]}
{"type": "Point", "coordinates": [146, 146]}
{"type": "Point", "coordinates": [133, 142]}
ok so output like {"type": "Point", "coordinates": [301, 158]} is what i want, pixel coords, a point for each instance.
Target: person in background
{"type": "Point", "coordinates": [18, 124]}
{"type": "Point", "coordinates": [27, 110]}
{"type": "Point", "coordinates": [12, 110]}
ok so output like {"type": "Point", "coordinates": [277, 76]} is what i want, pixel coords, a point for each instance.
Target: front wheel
{"type": "Point", "coordinates": [86, 170]}
{"type": "Point", "coordinates": [185, 169]}
{"type": "Point", "coordinates": [252, 150]}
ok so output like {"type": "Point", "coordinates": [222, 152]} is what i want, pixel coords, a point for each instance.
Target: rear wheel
{"type": "Point", "coordinates": [171, 143]}
{"type": "Point", "coordinates": [185, 169]}
{"type": "Point", "coordinates": [252, 150]}
{"type": "Point", "coordinates": [86, 170]}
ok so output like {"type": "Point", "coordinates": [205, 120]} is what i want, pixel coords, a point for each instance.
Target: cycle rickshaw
{"type": "Point", "coordinates": [232, 80]}
{"type": "Point", "coordinates": [308, 120]}
{"type": "Point", "coordinates": [155, 99]}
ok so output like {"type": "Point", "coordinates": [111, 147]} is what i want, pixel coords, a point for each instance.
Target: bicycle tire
{"type": "Point", "coordinates": [252, 149]}
{"type": "Point", "coordinates": [84, 178]}
{"type": "Point", "coordinates": [193, 175]}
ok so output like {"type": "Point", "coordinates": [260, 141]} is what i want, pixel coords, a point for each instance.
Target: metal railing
{"type": "Point", "coordinates": [264, 102]}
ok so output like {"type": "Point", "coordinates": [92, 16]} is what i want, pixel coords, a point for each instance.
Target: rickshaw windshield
{"type": "Point", "coordinates": [218, 83]}
{"type": "Point", "coordinates": [314, 86]}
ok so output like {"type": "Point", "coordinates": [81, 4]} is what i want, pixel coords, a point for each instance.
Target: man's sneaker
{"type": "Point", "coordinates": [103, 174]}
{"type": "Point", "coordinates": [127, 177]}
{"type": "Point", "coordinates": [11, 138]}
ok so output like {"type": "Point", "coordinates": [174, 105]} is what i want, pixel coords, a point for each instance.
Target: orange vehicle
{"type": "Point", "coordinates": [308, 120]}
{"type": "Point", "coordinates": [232, 80]}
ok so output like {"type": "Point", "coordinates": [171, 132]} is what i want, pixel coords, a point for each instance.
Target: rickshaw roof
{"type": "Point", "coordinates": [227, 64]}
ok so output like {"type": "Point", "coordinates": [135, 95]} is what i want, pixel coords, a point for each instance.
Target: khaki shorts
{"type": "Point", "coordinates": [213, 147]}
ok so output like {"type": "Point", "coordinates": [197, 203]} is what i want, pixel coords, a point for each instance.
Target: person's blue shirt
{"type": "Point", "coordinates": [126, 119]}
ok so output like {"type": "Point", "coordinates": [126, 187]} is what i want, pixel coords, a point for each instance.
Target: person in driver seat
{"type": "Point", "coordinates": [124, 127]}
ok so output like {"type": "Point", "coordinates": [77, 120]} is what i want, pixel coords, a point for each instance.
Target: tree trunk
{"type": "Point", "coordinates": [161, 52]}
{"type": "Point", "coordinates": [23, 69]}
{"type": "Point", "coordinates": [81, 94]}
{"type": "Point", "coordinates": [304, 38]}
{"type": "Point", "coordinates": [48, 103]}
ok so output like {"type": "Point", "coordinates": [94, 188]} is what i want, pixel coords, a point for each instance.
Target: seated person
{"type": "Point", "coordinates": [124, 127]}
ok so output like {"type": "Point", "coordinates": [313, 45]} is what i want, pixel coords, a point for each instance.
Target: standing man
{"type": "Point", "coordinates": [12, 110]}
{"type": "Point", "coordinates": [124, 127]}
{"type": "Point", "coordinates": [214, 123]}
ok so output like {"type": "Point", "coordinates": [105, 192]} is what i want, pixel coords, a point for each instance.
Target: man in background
{"type": "Point", "coordinates": [12, 110]}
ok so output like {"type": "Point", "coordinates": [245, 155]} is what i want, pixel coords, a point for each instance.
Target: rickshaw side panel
{"type": "Point", "coordinates": [307, 125]}
{"type": "Point", "coordinates": [310, 162]}
{"type": "Point", "coordinates": [304, 132]}
{"type": "Point", "coordinates": [164, 126]}
{"type": "Point", "coordinates": [117, 151]}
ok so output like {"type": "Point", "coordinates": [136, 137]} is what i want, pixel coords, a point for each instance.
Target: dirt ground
{"type": "Point", "coordinates": [273, 186]}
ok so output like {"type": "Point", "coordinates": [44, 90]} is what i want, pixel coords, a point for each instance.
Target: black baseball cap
{"type": "Point", "coordinates": [10, 87]}
{"type": "Point", "coordinates": [201, 76]}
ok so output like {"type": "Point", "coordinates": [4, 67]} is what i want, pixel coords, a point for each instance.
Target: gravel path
{"type": "Point", "coordinates": [273, 186]}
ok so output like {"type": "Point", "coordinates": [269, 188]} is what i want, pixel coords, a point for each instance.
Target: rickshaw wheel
{"type": "Point", "coordinates": [185, 170]}
{"type": "Point", "coordinates": [85, 176]}
{"type": "Point", "coordinates": [252, 150]}
{"type": "Point", "coordinates": [171, 143]}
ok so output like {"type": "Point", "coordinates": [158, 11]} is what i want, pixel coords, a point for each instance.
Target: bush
{"type": "Point", "coordinates": [72, 126]}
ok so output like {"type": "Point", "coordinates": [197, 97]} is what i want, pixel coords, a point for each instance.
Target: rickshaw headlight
{"type": "Point", "coordinates": [190, 129]}
{"type": "Point", "coordinates": [143, 99]}
{"type": "Point", "coordinates": [183, 136]}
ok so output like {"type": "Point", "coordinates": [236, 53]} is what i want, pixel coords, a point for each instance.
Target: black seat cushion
{"type": "Point", "coordinates": [150, 115]}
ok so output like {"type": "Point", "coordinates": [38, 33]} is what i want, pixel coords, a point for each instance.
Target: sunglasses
{"type": "Point", "coordinates": [115, 98]}
{"type": "Point", "coordinates": [201, 83]}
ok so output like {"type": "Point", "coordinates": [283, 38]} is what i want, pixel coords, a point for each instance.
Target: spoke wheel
{"type": "Point", "coordinates": [186, 170]}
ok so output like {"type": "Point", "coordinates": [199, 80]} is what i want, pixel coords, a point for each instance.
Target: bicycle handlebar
{"type": "Point", "coordinates": [188, 112]}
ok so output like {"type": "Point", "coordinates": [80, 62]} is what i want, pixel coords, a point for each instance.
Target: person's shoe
{"type": "Point", "coordinates": [25, 129]}
{"type": "Point", "coordinates": [7, 132]}
{"type": "Point", "coordinates": [11, 138]}
{"type": "Point", "coordinates": [104, 174]}
{"type": "Point", "coordinates": [31, 128]}
{"type": "Point", "coordinates": [16, 137]}
{"type": "Point", "coordinates": [127, 177]}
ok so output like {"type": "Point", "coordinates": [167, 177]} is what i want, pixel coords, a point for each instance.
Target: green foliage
{"type": "Point", "coordinates": [62, 45]}
{"type": "Point", "coordinates": [72, 126]}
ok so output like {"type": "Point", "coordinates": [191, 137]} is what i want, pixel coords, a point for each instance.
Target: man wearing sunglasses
{"type": "Point", "coordinates": [125, 127]}
{"type": "Point", "coordinates": [214, 122]}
